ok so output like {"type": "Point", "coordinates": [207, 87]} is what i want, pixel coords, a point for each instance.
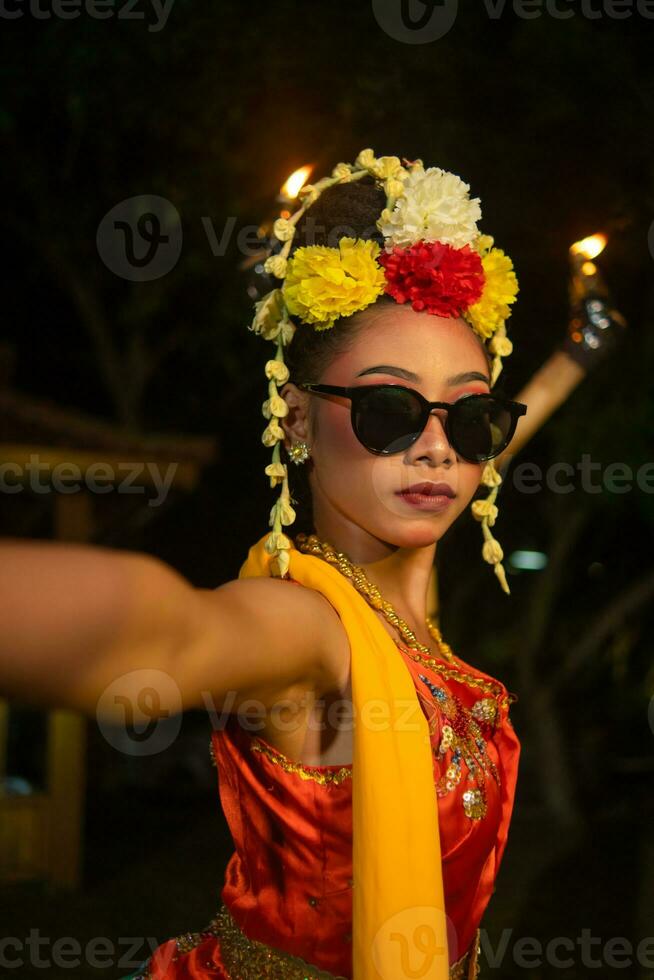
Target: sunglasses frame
{"type": "Point", "coordinates": [353, 392]}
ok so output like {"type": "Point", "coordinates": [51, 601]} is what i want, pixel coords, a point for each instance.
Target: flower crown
{"type": "Point", "coordinates": [434, 257]}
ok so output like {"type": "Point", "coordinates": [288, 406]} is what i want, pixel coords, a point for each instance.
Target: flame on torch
{"type": "Point", "coordinates": [295, 183]}
{"type": "Point", "coordinates": [589, 248]}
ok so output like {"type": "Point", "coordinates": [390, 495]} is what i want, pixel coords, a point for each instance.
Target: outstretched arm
{"type": "Point", "coordinates": [78, 618]}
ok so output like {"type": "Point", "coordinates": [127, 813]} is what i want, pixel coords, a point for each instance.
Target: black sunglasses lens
{"type": "Point", "coordinates": [387, 419]}
{"type": "Point", "coordinates": [480, 427]}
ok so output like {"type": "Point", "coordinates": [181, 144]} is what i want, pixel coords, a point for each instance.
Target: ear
{"type": "Point", "coordinates": [297, 424]}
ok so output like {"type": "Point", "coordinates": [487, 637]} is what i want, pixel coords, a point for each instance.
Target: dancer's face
{"type": "Point", "coordinates": [354, 486]}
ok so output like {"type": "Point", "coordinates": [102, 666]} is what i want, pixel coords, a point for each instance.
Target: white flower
{"type": "Point", "coordinates": [435, 207]}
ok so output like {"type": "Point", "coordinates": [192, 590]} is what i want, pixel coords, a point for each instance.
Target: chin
{"type": "Point", "coordinates": [413, 533]}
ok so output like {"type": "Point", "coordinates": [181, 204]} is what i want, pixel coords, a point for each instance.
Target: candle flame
{"type": "Point", "coordinates": [296, 182]}
{"type": "Point", "coordinates": [590, 247]}
{"type": "Point", "coordinates": [589, 268]}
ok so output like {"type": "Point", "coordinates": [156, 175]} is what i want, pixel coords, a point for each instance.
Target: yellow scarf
{"type": "Point", "coordinates": [398, 922]}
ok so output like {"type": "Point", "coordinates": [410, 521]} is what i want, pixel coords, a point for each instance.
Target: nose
{"type": "Point", "coordinates": [433, 444]}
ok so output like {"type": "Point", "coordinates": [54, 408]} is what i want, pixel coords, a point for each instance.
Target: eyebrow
{"type": "Point", "coordinates": [456, 379]}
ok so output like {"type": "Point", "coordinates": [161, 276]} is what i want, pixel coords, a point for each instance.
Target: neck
{"type": "Point", "coordinates": [402, 574]}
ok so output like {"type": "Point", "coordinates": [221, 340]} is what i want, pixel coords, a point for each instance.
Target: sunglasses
{"type": "Point", "coordinates": [387, 419]}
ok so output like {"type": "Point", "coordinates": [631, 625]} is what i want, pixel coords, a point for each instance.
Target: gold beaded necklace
{"type": "Point", "coordinates": [312, 545]}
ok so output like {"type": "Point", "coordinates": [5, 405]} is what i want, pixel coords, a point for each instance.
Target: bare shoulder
{"type": "Point", "coordinates": [284, 635]}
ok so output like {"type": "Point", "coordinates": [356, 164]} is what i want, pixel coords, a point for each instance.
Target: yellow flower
{"type": "Point", "coordinates": [342, 171]}
{"type": "Point", "coordinates": [267, 313]}
{"type": "Point", "coordinates": [279, 563]}
{"type": "Point", "coordinates": [276, 472]}
{"type": "Point", "coordinates": [324, 283]}
{"type": "Point", "coordinates": [308, 194]}
{"type": "Point", "coordinates": [365, 159]}
{"type": "Point", "coordinates": [500, 289]}
{"type": "Point", "coordinates": [276, 541]}
{"type": "Point", "coordinates": [394, 188]}
{"type": "Point", "coordinates": [275, 406]}
{"type": "Point", "coordinates": [282, 509]}
{"type": "Point", "coordinates": [276, 266]}
{"type": "Point", "coordinates": [483, 243]}
{"type": "Point", "coordinates": [385, 167]}
{"type": "Point", "coordinates": [490, 477]}
{"type": "Point", "coordinates": [277, 370]}
{"type": "Point", "coordinates": [484, 508]}
{"type": "Point", "coordinates": [283, 230]}
{"type": "Point", "coordinates": [492, 552]}
{"type": "Point", "coordinates": [501, 346]}
{"type": "Point", "coordinates": [272, 433]}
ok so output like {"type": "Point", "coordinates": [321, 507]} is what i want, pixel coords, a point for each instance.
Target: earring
{"type": "Point", "coordinates": [299, 452]}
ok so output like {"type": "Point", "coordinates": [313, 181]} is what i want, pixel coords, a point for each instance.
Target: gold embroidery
{"type": "Point", "coordinates": [319, 774]}
{"type": "Point", "coordinates": [464, 735]}
{"type": "Point", "coordinates": [249, 959]}
{"type": "Point", "coordinates": [452, 673]}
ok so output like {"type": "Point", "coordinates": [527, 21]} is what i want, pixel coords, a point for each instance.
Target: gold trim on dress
{"type": "Point", "coordinates": [319, 774]}
{"type": "Point", "coordinates": [249, 959]}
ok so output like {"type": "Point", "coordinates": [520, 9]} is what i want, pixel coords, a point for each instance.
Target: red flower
{"type": "Point", "coordinates": [434, 277]}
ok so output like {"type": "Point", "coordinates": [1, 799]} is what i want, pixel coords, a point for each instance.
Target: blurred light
{"type": "Point", "coordinates": [528, 561]}
{"type": "Point", "coordinates": [590, 247]}
{"type": "Point", "coordinates": [589, 268]}
{"type": "Point", "coordinates": [295, 183]}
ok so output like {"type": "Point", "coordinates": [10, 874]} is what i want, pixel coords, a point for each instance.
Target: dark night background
{"type": "Point", "coordinates": [551, 123]}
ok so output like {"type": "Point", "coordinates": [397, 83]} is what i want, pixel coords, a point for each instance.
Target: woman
{"type": "Point", "coordinates": [370, 799]}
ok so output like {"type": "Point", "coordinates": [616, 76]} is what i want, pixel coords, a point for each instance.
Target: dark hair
{"type": "Point", "coordinates": [343, 210]}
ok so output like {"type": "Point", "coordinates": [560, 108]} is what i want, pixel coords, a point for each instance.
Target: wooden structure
{"type": "Point", "coordinates": [41, 831]}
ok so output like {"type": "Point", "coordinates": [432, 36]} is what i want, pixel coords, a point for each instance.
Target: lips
{"type": "Point", "coordinates": [429, 489]}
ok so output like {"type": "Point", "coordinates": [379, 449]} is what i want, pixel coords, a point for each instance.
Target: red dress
{"type": "Point", "coordinates": [289, 883]}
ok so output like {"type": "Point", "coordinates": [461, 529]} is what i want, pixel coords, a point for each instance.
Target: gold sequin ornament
{"type": "Point", "coordinates": [464, 736]}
